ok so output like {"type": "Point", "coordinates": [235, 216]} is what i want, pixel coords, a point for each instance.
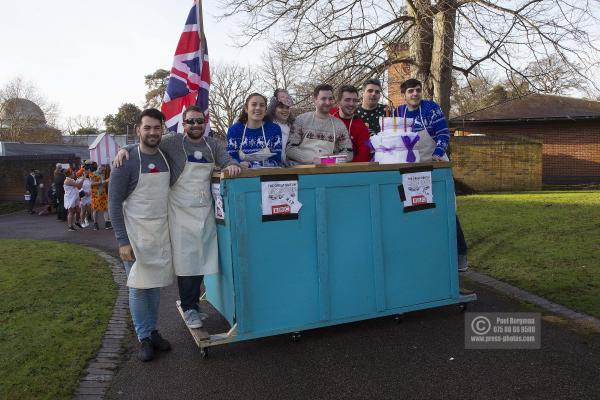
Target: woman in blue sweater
{"type": "Point", "coordinates": [253, 140]}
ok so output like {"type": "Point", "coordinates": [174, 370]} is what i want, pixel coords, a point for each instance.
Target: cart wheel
{"type": "Point", "coordinates": [399, 318]}
{"type": "Point", "coordinates": [296, 337]}
{"type": "Point", "coordinates": [204, 352]}
{"type": "Point", "coordinates": [463, 307]}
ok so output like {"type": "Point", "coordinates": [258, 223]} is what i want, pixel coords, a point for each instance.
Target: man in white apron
{"type": "Point", "coordinates": [428, 121]}
{"type": "Point", "coordinates": [318, 134]}
{"type": "Point", "coordinates": [192, 228]}
{"type": "Point", "coordinates": [138, 204]}
{"type": "Point", "coordinates": [191, 211]}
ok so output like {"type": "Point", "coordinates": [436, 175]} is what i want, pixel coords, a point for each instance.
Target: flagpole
{"type": "Point", "coordinates": [200, 20]}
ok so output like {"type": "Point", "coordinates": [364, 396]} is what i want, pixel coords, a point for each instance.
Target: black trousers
{"type": "Point", "coordinates": [189, 291]}
{"type": "Point", "coordinates": [32, 200]}
{"type": "Point", "coordinates": [61, 213]}
{"type": "Point", "coordinates": [460, 239]}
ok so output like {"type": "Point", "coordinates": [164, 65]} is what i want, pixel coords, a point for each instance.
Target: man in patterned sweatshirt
{"type": "Point", "coordinates": [317, 133]}
{"type": "Point", "coordinates": [427, 115]}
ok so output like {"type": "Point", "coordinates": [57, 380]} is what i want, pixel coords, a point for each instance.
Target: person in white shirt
{"type": "Point", "coordinates": [279, 111]}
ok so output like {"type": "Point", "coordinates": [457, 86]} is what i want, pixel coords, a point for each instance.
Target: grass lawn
{"type": "Point", "coordinates": [55, 302]}
{"type": "Point", "coordinates": [547, 243]}
{"type": "Point", "coordinates": [8, 207]}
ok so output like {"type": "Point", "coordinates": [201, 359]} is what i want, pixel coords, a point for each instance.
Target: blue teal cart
{"type": "Point", "coordinates": [353, 253]}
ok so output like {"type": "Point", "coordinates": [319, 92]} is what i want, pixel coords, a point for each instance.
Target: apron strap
{"type": "Point", "coordinates": [244, 135]}
{"type": "Point", "coordinates": [312, 124]}
{"type": "Point", "coordinates": [210, 149]}
{"type": "Point", "coordinates": [207, 145]}
{"type": "Point", "coordinates": [413, 123]}
{"type": "Point", "coordinates": [162, 155]}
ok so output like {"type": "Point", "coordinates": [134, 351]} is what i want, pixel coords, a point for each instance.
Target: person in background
{"type": "Point", "coordinates": [254, 141]}
{"type": "Point", "coordinates": [370, 110]}
{"type": "Point", "coordinates": [42, 195]}
{"type": "Point", "coordinates": [347, 99]}
{"type": "Point", "coordinates": [138, 205]}
{"type": "Point", "coordinates": [317, 133]}
{"type": "Point", "coordinates": [99, 182]}
{"type": "Point", "coordinates": [31, 188]}
{"type": "Point", "coordinates": [59, 181]}
{"type": "Point", "coordinates": [85, 195]}
{"type": "Point", "coordinates": [279, 111]}
{"type": "Point", "coordinates": [71, 200]}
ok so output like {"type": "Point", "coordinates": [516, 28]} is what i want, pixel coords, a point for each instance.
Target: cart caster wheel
{"type": "Point", "coordinates": [399, 318]}
{"type": "Point", "coordinates": [204, 352]}
{"type": "Point", "coordinates": [296, 337]}
{"type": "Point", "coordinates": [463, 307]}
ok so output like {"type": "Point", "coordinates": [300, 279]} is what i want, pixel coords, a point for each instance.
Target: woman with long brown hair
{"type": "Point", "coordinates": [254, 141]}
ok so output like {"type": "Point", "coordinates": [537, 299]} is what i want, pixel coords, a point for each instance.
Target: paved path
{"type": "Point", "coordinates": [21, 225]}
{"type": "Point", "coordinates": [421, 358]}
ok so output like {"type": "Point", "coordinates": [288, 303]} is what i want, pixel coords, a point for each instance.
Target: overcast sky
{"type": "Point", "coordinates": [89, 57]}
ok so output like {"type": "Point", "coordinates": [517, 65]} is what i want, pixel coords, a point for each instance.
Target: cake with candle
{"type": "Point", "coordinates": [396, 142]}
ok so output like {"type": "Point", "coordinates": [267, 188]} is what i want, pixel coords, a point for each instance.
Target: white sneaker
{"type": "Point", "coordinates": [463, 264]}
{"type": "Point", "coordinates": [192, 319]}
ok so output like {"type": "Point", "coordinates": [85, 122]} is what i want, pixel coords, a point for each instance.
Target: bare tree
{"type": "Point", "coordinates": [24, 111]}
{"type": "Point", "coordinates": [470, 95]}
{"type": "Point", "coordinates": [231, 84]}
{"type": "Point", "coordinates": [81, 124]}
{"type": "Point", "coordinates": [443, 35]}
{"type": "Point", "coordinates": [279, 71]}
{"type": "Point", "coordinates": [552, 75]}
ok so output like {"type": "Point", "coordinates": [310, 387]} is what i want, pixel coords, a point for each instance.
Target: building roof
{"type": "Point", "coordinates": [89, 140]}
{"type": "Point", "coordinates": [21, 110]}
{"type": "Point", "coordinates": [533, 107]}
{"type": "Point", "coordinates": [23, 149]}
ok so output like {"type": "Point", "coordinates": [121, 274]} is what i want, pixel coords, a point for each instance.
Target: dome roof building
{"type": "Point", "coordinates": [21, 112]}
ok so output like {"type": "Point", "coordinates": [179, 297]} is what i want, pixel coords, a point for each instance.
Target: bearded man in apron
{"type": "Point", "coordinates": [138, 204]}
{"type": "Point", "coordinates": [317, 134]}
{"type": "Point", "coordinates": [428, 121]}
{"type": "Point", "coordinates": [192, 157]}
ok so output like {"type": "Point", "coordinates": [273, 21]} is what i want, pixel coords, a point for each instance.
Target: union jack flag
{"type": "Point", "coordinates": [189, 82]}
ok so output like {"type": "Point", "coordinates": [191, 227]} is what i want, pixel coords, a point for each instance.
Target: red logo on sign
{"type": "Point", "coordinates": [281, 209]}
{"type": "Point", "coordinates": [416, 200]}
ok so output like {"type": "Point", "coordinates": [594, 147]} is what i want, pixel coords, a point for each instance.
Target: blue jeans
{"type": "Point", "coordinates": [143, 305]}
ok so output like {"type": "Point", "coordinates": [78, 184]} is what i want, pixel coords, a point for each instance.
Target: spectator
{"type": "Point", "coordinates": [99, 179]}
{"type": "Point", "coordinates": [31, 188]}
{"type": "Point", "coordinates": [71, 200]}
{"type": "Point", "coordinates": [59, 181]}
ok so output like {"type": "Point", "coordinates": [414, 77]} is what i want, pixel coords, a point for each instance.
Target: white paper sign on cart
{"type": "Point", "coordinates": [219, 207]}
{"type": "Point", "coordinates": [279, 199]}
{"type": "Point", "coordinates": [416, 191]}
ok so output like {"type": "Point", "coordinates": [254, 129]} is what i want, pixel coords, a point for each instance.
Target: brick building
{"type": "Point", "coordinates": [568, 128]}
{"type": "Point", "coordinates": [16, 168]}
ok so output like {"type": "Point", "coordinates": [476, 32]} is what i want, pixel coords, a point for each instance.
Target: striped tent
{"type": "Point", "coordinates": [103, 149]}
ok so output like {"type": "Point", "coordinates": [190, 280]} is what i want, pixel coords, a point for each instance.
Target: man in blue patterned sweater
{"type": "Point", "coordinates": [427, 116]}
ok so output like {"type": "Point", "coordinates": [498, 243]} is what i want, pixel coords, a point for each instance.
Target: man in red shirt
{"type": "Point", "coordinates": [347, 99]}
